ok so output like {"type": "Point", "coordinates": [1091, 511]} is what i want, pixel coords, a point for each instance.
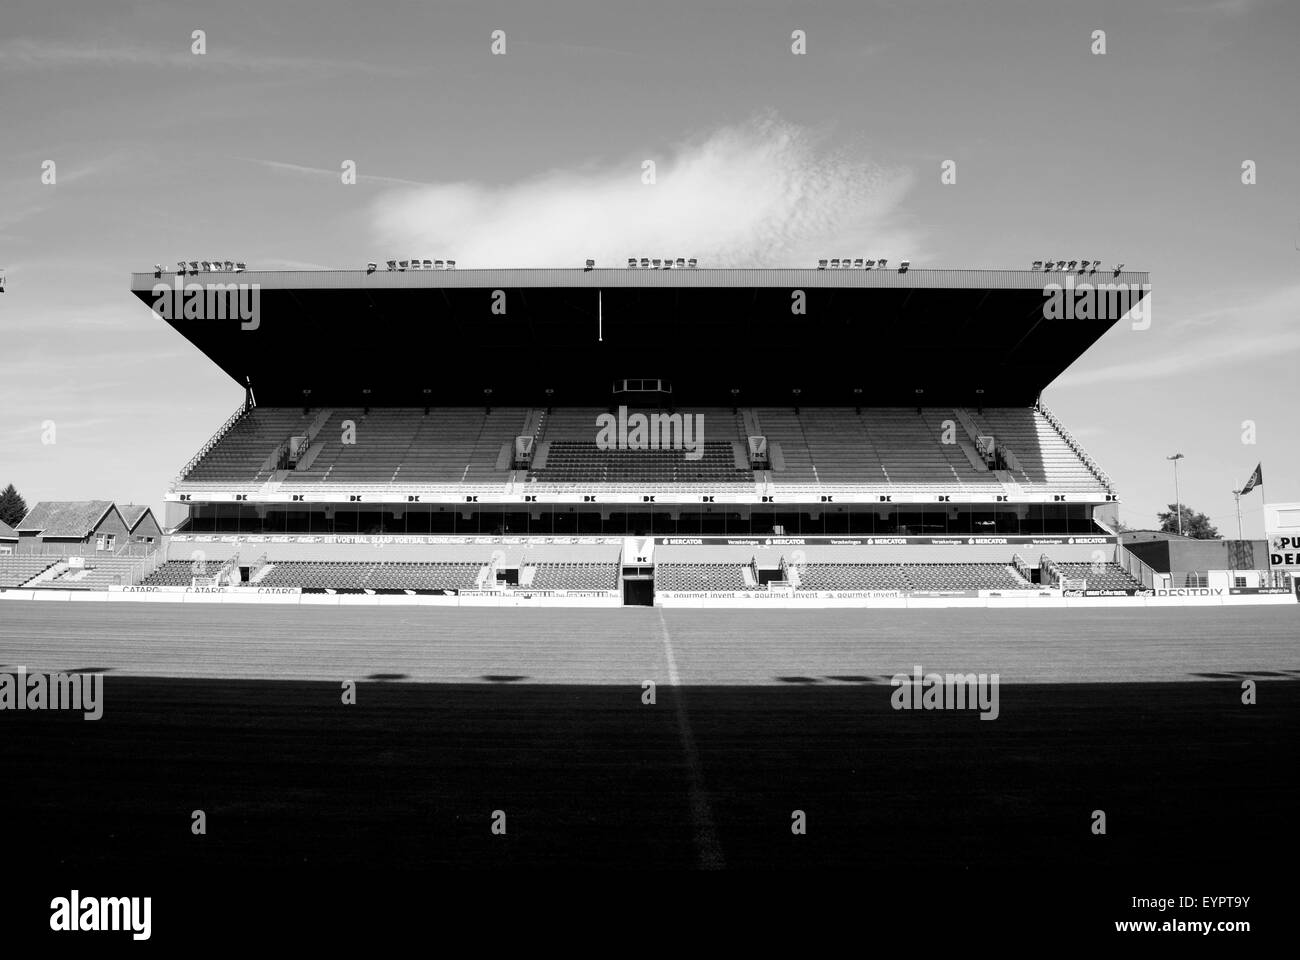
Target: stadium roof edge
{"type": "Point", "coordinates": [740, 277]}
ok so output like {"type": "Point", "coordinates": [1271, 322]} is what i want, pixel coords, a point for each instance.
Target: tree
{"type": "Point", "coordinates": [1195, 525]}
{"type": "Point", "coordinates": [12, 506]}
{"type": "Point", "coordinates": [1122, 527]}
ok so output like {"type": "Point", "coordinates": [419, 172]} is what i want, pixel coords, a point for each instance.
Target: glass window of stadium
{"type": "Point", "coordinates": [698, 520]}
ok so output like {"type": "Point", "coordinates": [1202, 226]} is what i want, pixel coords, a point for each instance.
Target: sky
{"type": "Point", "coordinates": [762, 157]}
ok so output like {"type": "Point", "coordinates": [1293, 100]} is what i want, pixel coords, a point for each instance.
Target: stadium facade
{"type": "Point", "coordinates": [643, 433]}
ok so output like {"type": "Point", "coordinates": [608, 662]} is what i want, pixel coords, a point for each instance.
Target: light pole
{"type": "Point", "coordinates": [1178, 504]}
{"type": "Point", "coordinates": [1237, 496]}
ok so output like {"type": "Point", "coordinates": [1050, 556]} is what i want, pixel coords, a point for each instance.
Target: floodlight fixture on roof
{"type": "Point", "coordinates": [871, 264]}
{"type": "Point", "coordinates": [194, 266]}
{"type": "Point", "coordinates": [903, 265]}
{"type": "Point", "coordinates": [1036, 265]}
{"type": "Point", "coordinates": [681, 263]}
{"type": "Point", "coordinates": [631, 263]}
{"type": "Point", "coordinates": [645, 262]}
{"type": "Point", "coordinates": [371, 267]}
{"type": "Point", "coordinates": [692, 263]}
{"type": "Point", "coordinates": [857, 263]}
{"type": "Point", "coordinates": [1119, 268]}
{"type": "Point", "coordinates": [451, 264]}
{"type": "Point", "coordinates": [835, 263]}
{"type": "Point", "coordinates": [240, 267]}
{"type": "Point", "coordinates": [157, 269]}
{"type": "Point", "coordinates": [882, 264]}
{"type": "Point", "coordinates": [392, 264]}
{"type": "Point", "coordinates": [821, 264]}
{"type": "Point", "coordinates": [590, 263]}
{"type": "Point", "coordinates": [403, 264]}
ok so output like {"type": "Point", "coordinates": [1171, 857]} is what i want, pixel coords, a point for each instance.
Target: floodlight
{"type": "Point", "coordinates": [882, 264]}
{"type": "Point", "coordinates": [857, 264]}
{"type": "Point", "coordinates": [194, 266]}
{"type": "Point", "coordinates": [656, 262]}
{"type": "Point", "coordinates": [835, 264]}
{"type": "Point", "coordinates": [1036, 265]}
{"type": "Point", "coordinates": [451, 264]}
{"type": "Point", "coordinates": [590, 263]}
{"type": "Point", "coordinates": [692, 263]}
{"type": "Point", "coordinates": [403, 264]}
{"type": "Point", "coordinates": [240, 268]}
{"type": "Point", "coordinates": [681, 263]}
{"type": "Point", "coordinates": [871, 264]}
{"type": "Point", "coordinates": [821, 264]}
{"type": "Point", "coordinates": [1119, 268]}
{"type": "Point", "coordinates": [631, 263]}
{"type": "Point", "coordinates": [903, 265]}
{"type": "Point", "coordinates": [392, 264]}
{"type": "Point", "coordinates": [157, 269]}
{"type": "Point", "coordinates": [371, 267]}
{"type": "Point", "coordinates": [645, 262]}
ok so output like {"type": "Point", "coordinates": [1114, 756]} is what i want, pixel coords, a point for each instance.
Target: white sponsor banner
{"type": "Point", "coordinates": [1282, 530]}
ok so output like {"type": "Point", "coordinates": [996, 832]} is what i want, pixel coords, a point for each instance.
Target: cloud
{"type": "Point", "coordinates": [764, 193]}
{"type": "Point", "coordinates": [30, 53]}
{"type": "Point", "coordinates": [1240, 331]}
{"type": "Point", "coordinates": [318, 173]}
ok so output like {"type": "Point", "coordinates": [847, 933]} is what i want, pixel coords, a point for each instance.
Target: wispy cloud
{"type": "Point", "coordinates": [761, 193]}
{"type": "Point", "coordinates": [31, 53]}
{"type": "Point", "coordinates": [298, 169]}
{"type": "Point", "coordinates": [1241, 331]}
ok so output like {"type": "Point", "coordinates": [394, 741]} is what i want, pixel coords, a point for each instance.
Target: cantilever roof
{"type": "Point", "coordinates": [566, 337]}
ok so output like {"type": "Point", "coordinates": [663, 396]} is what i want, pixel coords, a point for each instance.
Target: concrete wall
{"type": "Point", "coordinates": [1184, 556]}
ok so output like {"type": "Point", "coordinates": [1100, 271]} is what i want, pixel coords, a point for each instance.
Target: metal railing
{"type": "Point", "coordinates": [212, 442]}
{"type": "Point", "coordinates": [1135, 567]}
{"type": "Point", "coordinates": [142, 569]}
{"type": "Point", "coordinates": [1102, 476]}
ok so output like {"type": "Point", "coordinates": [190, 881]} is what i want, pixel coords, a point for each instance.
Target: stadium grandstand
{"type": "Point", "coordinates": [637, 434]}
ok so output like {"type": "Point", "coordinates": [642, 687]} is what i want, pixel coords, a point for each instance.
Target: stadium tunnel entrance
{"type": "Point", "coordinates": [638, 589]}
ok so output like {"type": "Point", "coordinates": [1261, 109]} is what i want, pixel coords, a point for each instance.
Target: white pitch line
{"type": "Point", "coordinates": [707, 847]}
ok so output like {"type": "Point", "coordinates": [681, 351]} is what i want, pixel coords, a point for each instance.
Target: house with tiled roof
{"type": "Point", "coordinates": [8, 538]}
{"type": "Point", "coordinates": [141, 524]}
{"type": "Point", "coordinates": [72, 527]}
